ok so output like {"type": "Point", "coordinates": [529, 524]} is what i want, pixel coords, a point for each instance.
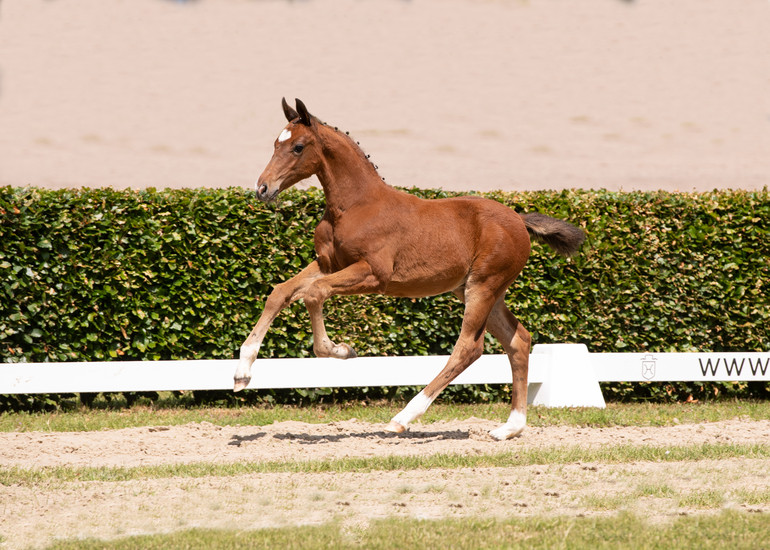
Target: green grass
{"type": "Point", "coordinates": [748, 497]}
{"type": "Point", "coordinates": [525, 457]}
{"type": "Point", "coordinates": [606, 502]}
{"type": "Point", "coordinates": [616, 414]}
{"type": "Point", "coordinates": [727, 529]}
{"type": "Point", "coordinates": [707, 499]}
{"type": "Point", "coordinates": [655, 491]}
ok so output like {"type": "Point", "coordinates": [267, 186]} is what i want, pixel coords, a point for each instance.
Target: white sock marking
{"type": "Point", "coordinates": [248, 355]}
{"type": "Point", "coordinates": [414, 409]}
{"type": "Point", "coordinates": [513, 427]}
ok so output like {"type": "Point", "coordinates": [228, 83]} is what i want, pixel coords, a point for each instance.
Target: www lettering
{"type": "Point", "coordinates": [758, 365]}
{"type": "Point", "coordinates": [705, 368]}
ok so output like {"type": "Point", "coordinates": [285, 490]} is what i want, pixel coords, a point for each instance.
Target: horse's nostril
{"type": "Point", "coordinates": [262, 190]}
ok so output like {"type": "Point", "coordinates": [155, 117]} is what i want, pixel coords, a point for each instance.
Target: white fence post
{"type": "Point", "coordinates": [570, 378]}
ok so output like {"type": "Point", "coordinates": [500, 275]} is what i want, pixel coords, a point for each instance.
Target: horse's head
{"type": "Point", "coordinates": [297, 153]}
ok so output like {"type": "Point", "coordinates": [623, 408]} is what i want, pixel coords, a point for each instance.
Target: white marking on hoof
{"type": "Point", "coordinates": [286, 134]}
{"type": "Point", "coordinates": [395, 427]}
{"type": "Point", "coordinates": [414, 409]}
{"type": "Point", "coordinates": [513, 427]}
{"type": "Point", "coordinates": [243, 372]}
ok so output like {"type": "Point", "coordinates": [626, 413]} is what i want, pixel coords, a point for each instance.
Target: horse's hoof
{"type": "Point", "coordinates": [505, 432]}
{"type": "Point", "coordinates": [328, 348]}
{"type": "Point", "coordinates": [344, 351]}
{"type": "Point", "coordinates": [395, 427]}
{"type": "Point", "coordinates": [241, 383]}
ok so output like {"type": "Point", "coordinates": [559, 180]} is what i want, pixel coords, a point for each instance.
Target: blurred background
{"type": "Point", "coordinates": [452, 94]}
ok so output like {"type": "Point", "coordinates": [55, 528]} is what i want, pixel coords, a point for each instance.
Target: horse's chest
{"type": "Point", "coordinates": [331, 256]}
{"type": "Point", "coordinates": [341, 243]}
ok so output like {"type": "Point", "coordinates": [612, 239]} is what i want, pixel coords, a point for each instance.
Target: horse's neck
{"type": "Point", "coordinates": [349, 180]}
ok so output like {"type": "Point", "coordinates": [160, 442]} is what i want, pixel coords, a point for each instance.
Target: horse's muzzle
{"type": "Point", "coordinates": [262, 192]}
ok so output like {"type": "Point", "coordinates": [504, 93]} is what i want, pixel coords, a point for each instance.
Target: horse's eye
{"type": "Point", "coordinates": [298, 148]}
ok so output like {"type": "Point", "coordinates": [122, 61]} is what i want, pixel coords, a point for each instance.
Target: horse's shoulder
{"type": "Point", "coordinates": [324, 235]}
{"type": "Point", "coordinates": [324, 246]}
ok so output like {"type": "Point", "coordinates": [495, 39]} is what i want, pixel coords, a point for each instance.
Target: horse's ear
{"type": "Point", "coordinates": [291, 114]}
{"type": "Point", "coordinates": [304, 116]}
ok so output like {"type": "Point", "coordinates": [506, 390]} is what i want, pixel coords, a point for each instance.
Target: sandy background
{"type": "Point", "coordinates": [459, 94]}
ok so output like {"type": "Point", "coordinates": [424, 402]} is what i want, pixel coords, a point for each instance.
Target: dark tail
{"type": "Point", "coordinates": [563, 237]}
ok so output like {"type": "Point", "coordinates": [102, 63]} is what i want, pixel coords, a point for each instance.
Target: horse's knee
{"type": "Point", "coordinates": [315, 295]}
{"type": "Point", "coordinates": [279, 297]}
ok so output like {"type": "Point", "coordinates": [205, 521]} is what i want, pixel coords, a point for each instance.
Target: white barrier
{"type": "Point", "coordinates": [560, 375]}
{"type": "Point", "coordinates": [568, 377]}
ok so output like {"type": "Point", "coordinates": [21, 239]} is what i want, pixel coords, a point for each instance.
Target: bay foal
{"type": "Point", "coordinates": [374, 239]}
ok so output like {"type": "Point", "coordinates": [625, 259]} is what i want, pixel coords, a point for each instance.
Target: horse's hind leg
{"type": "Point", "coordinates": [468, 348]}
{"type": "Point", "coordinates": [516, 342]}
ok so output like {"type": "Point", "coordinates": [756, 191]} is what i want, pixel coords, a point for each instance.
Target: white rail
{"type": "Point", "coordinates": [559, 374]}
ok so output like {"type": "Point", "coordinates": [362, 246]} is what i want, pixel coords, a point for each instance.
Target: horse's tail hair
{"type": "Point", "coordinates": [562, 236]}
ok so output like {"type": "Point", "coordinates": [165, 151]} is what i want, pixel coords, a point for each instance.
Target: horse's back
{"type": "Point", "coordinates": [500, 236]}
{"type": "Point", "coordinates": [478, 219]}
{"type": "Point", "coordinates": [439, 243]}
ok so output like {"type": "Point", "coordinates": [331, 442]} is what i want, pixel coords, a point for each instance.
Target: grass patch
{"type": "Point", "coordinates": [556, 455]}
{"type": "Point", "coordinates": [760, 496]}
{"type": "Point", "coordinates": [655, 491]}
{"type": "Point", "coordinates": [616, 414]}
{"type": "Point", "coordinates": [614, 501]}
{"type": "Point", "coordinates": [708, 499]}
{"type": "Point", "coordinates": [726, 530]}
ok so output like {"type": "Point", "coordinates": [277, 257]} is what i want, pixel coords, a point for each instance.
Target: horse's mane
{"type": "Point", "coordinates": [355, 145]}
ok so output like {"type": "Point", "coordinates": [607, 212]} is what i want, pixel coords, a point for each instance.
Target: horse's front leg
{"type": "Point", "coordinates": [322, 344]}
{"type": "Point", "coordinates": [281, 296]}
{"type": "Point", "coordinates": [358, 278]}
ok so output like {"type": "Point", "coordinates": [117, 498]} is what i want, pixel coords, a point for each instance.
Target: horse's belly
{"type": "Point", "coordinates": [420, 287]}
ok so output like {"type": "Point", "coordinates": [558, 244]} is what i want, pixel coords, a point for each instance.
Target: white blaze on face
{"type": "Point", "coordinates": [286, 134]}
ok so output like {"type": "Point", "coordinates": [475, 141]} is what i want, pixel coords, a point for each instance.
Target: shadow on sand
{"type": "Point", "coordinates": [312, 439]}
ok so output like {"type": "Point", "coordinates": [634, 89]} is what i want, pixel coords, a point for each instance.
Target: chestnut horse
{"type": "Point", "coordinates": [374, 239]}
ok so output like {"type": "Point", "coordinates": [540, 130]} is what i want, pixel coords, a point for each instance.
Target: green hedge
{"type": "Point", "coordinates": [99, 274]}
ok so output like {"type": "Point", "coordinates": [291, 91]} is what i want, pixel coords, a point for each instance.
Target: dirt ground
{"type": "Point", "coordinates": [36, 515]}
{"type": "Point", "coordinates": [300, 441]}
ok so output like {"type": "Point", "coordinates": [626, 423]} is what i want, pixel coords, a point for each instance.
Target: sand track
{"type": "Point", "coordinates": [36, 514]}
{"type": "Point", "coordinates": [205, 442]}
